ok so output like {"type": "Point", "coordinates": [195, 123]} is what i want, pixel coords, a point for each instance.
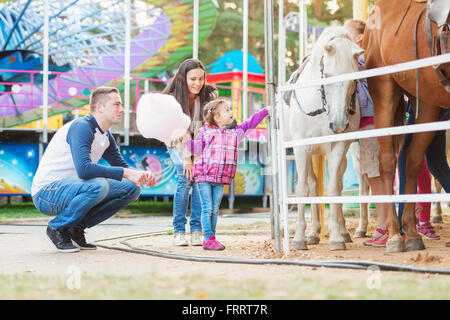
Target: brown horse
{"type": "Point", "coordinates": [388, 40]}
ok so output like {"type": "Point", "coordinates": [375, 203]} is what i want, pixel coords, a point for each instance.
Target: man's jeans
{"type": "Point", "coordinates": [84, 203]}
{"type": "Point", "coordinates": [211, 196]}
{"type": "Point", "coordinates": [181, 198]}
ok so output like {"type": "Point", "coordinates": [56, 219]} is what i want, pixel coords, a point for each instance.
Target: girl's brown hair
{"type": "Point", "coordinates": [211, 109]}
{"type": "Point", "coordinates": [357, 25]}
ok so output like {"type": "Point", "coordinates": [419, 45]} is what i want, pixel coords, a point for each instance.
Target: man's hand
{"type": "Point", "coordinates": [136, 176]}
{"type": "Point", "coordinates": [151, 179]}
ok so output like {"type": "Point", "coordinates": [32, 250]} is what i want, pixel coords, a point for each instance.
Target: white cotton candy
{"type": "Point", "coordinates": [159, 116]}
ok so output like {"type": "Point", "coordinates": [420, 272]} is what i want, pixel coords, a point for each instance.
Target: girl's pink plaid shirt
{"type": "Point", "coordinates": [216, 150]}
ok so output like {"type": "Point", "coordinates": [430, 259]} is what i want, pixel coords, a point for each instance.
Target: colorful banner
{"type": "Point", "coordinates": [156, 160]}
{"type": "Point", "coordinates": [18, 164]}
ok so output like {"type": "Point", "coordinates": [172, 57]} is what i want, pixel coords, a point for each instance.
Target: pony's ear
{"type": "Point", "coordinates": [330, 49]}
{"type": "Point", "coordinates": [356, 50]}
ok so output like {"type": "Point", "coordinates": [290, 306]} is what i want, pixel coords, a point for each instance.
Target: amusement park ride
{"type": "Point", "coordinates": [87, 49]}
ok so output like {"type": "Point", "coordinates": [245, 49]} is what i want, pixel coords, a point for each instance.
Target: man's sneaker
{"type": "Point", "coordinates": [212, 244]}
{"type": "Point", "coordinates": [381, 241]}
{"type": "Point", "coordinates": [427, 231]}
{"type": "Point", "coordinates": [180, 240]}
{"type": "Point", "coordinates": [196, 239]}
{"type": "Point", "coordinates": [77, 235]}
{"type": "Point", "coordinates": [61, 240]}
{"type": "Point", "coordinates": [370, 241]}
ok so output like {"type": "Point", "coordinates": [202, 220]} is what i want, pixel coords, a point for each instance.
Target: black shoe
{"type": "Point", "coordinates": [61, 240]}
{"type": "Point", "coordinates": [77, 235]}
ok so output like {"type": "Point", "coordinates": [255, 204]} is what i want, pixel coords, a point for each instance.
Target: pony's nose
{"type": "Point", "coordinates": [339, 129]}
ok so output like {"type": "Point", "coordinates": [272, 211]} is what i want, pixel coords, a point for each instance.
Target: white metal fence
{"type": "Point", "coordinates": [283, 145]}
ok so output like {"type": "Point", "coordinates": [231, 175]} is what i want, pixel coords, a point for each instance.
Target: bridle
{"type": "Point", "coordinates": [352, 107]}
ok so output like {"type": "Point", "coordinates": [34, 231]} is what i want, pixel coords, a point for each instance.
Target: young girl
{"type": "Point", "coordinates": [216, 155]}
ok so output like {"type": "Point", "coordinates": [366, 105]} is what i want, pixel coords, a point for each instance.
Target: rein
{"type": "Point", "coordinates": [351, 110]}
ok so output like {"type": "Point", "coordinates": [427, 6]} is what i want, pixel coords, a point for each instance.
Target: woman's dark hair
{"type": "Point", "coordinates": [178, 86]}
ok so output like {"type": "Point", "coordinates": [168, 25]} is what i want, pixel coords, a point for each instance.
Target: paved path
{"type": "Point", "coordinates": [24, 246]}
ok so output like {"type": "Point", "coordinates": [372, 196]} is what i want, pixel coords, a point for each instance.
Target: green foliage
{"type": "Point", "coordinates": [228, 31]}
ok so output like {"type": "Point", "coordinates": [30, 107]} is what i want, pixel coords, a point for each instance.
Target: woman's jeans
{"type": "Point", "coordinates": [84, 203]}
{"type": "Point", "coordinates": [210, 196]}
{"type": "Point", "coordinates": [181, 198]}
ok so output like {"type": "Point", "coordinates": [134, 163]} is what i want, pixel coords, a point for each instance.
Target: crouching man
{"type": "Point", "coordinates": [71, 185]}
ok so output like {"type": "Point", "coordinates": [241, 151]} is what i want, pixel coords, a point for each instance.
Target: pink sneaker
{"type": "Point", "coordinates": [212, 244]}
{"type": "Point", "coordinates": [381, 241]}
{"type": "Point", "coordinates": [427, 231]}
{"type": "Point", "coordinates": [371, 241]}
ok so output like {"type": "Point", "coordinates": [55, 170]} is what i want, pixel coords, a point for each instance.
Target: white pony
{"type": "Point", "coordinates": [318, 111]}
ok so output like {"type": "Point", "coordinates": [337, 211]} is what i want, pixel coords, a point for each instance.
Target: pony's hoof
{"type": "Point", "coordinates": [395, 244]}
{"type": "Point", "coordinates": [299, 245]}
{"type": "Point", "coordinates": [414, 244]}
{"type": "Point", "coordinates": [360, 234]}
{"type": "Point", "coordinates": [437, 219]}
{"type": "Point", "coordinates": [347, 237]}
{"type": "Point", "coordinates": [312, 240]}
{"type": "Point", "coordinates": [336, 245]}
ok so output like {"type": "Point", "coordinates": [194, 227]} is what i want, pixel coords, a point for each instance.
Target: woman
{"type": "Point", "coordinates": [190, 89]}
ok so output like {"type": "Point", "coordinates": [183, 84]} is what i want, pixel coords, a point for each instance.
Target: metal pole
{"type": "Point", "coordinates": [271, 128]}
{"type": "Point", "coordinates": [45, 74]}
{"type": "Point", "coordinates": [245, 63]}
{"type": "Point", "coordinates": [127, 78]}
{"type": "Point", "coordinates": [195, 31]}
{"type": "Point", "coordinates": [301, 25]}
{"type": "Point", "coordinates": [281, 44]}
{"type": "Point", "coordinates": [283, 176]}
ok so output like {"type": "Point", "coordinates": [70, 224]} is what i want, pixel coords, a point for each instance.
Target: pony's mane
{"type": "Point", "coordinates": [327, 34]}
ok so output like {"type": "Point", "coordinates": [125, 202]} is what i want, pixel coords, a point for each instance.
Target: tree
{"type": "Point", "coordinates": [227, 34]}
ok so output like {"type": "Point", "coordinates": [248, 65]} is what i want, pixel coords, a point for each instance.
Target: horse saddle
{"type": "Point", "coordinates": [438, 11]}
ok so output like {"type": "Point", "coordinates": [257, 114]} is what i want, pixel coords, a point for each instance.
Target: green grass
{"type": "Point", "coordinates": [199, 286]}
{"type": "Point", "coordinates": [19, 211]}
{"type": "Point", "coordinates": [147, 207]}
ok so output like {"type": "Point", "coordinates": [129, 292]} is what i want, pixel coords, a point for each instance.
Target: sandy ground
{"type": "Point", "coordinates": [24, 248]}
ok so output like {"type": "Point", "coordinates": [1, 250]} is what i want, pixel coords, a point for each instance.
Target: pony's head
{"type": "Point", "coordinates": [335, 54]}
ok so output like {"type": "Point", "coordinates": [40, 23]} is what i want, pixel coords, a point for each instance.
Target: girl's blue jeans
{"type": "Point", "coordinates": [84, 203]}
{"type": "Point", "coordinates": [210, 196]}
{"type": "Point", "coordinates": [181, 198]}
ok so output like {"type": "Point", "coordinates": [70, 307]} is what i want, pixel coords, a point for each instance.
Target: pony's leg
{"type": "Point", "coordinates": [436, 212]}
{"type": "Point", "coordinates": [342, 229]}
{"type": "Point", "coordinates": [334, 188]}
{"type": "Point", "coordinates": [361, 231]}
{"type": "Point", "coordinates": [386, 98]}
{"type": "Point", "coordinates": [303, 164]}
{"type": "Point", "coordinates": [414, 161]}
{"type": "Point", "coordinates": [313, 236]}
